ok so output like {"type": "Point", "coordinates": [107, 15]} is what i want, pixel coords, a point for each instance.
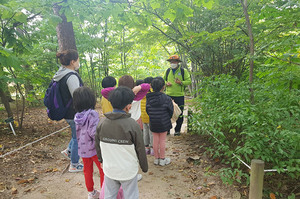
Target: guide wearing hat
{"type": "Point", "coordinates": [176, 79]}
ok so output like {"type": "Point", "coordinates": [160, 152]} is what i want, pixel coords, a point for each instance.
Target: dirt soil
{"type": "Point", "coordinates": [39, 171]}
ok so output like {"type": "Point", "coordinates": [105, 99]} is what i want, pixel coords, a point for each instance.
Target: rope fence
{"type": "Point", "coordinates": [26, 145]}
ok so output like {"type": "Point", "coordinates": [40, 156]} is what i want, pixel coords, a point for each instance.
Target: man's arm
{"type": "Point", "coordinates": [187, 78]}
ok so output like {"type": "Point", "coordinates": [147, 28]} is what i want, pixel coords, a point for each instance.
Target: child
{"type": "Point", "coordinates": [159, 107]}
{"type": "Point", "coordinates": [140, 91]}
{"type": "Point", "coordinates": [107, 82]}
{"type": "Point", "coordinates": [148, 138]}
{"type": "Point", "coordinates": [139, 121]}
{"type": "Point", "coordinates": [120, 146]}
{"type": "Point", "coordinates": [86, 120]}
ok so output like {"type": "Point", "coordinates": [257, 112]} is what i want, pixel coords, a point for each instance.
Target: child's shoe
{"type": "Point", "coordinates": [163, 162]}
{"type": "Point", "coordinates": [94, 194]}
{"type": "Point", "coordinates": [147, 151]}
{"type": "Point", "coordinates": [66, 153]}
{"type": "Point", "coordinates": [156, 161]}
{"type": "Point", "coordinates": [76, 168]}
{"type": "Point", "coordinates": [151, 151]}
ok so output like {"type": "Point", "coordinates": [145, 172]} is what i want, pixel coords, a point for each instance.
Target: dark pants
{"type": "Point", "coordinates": [180, 102]}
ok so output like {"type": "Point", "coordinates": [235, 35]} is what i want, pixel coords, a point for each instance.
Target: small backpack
{"type": "Point", "coordinates": [56, 109]}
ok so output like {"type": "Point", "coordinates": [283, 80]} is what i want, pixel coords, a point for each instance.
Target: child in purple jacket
{"type": "Point", "coordinates": [86, 120]}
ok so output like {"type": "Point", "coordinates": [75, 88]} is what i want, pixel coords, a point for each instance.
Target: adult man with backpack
{"type": "Point", "coordinates": [176, 79]}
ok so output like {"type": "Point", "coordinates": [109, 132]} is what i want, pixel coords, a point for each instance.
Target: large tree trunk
{"type": "Point", "coordinates": [65, 32]}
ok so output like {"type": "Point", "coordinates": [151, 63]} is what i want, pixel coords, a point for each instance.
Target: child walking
{"type": "Point", "coordinates": [159, 107]}
{"type": "Point", "coordinates": [86, 120]}
{"type": "Point", "coordinates": [120, 146]}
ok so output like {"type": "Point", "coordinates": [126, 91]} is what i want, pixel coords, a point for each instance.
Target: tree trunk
{"type": "Point", "coordinates": [5, 101]}
{"type": "Point", "coordinates": [65, 32]}
{"type": "Point", "coordinates": [250, 34]}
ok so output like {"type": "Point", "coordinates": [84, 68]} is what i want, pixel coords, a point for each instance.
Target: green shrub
{"type": "Point", "coordinates": [268, 130]}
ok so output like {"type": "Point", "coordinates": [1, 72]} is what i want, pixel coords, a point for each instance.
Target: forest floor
{"type": "Point", "coordinates": [39, 171]}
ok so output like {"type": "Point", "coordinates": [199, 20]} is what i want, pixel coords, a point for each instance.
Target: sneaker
{"type": "Point", "coordinates": [94, 194]}
{"type": "Point", "coordinates": [163, 162]}
{"type": "Point", "coordinates": [177, 133]}
{"type": "Point", "coordinates": [151, 151]}
{"type": "Point", "coordinates": [156, 161]}
{"type": "Point", "coordinates": [139, 177]}
{"type": "Point", "coordinates": [147, 151]}
{"type": "Point", "coordinates": [66, 153]}
{"type": "Point", "coordinates": [76, 168]}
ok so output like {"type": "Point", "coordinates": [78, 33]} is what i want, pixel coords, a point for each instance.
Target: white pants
{"type": "Point", "coordinates": [130, 188]}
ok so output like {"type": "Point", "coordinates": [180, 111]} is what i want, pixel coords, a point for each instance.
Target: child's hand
{"type": "Point", "coordinates": [136, 89]}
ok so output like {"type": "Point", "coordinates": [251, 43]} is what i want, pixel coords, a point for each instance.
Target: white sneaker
{"type": "Point", "coordinates": [94, 194]}
{"type": "Point", "coordinates": [163, 162]}
{"type": "Point", "coordinates": [66, 153]}
{"type": "Point", "coordinates": [139, 177]}
{"type": "Point", "coordinates": [76, 168]}
{"type": "Point", "coordinates": [156, 161]}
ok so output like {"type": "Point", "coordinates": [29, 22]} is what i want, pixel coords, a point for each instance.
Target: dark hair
{"type": "Point", "coordinates": [84, 99]}
{"type": "Point", "coordinates": [108, 81]}
{"type": "Point", "coordinates": [139, 82]}
{"type": "Point", "coordinates": [120, 97]}
{"type": "Point", "coordinates": [66, 56]}
{"type": "Point", "coordinates": [127, 81]}
{"type": "Point", "coordinates": [148, 80]}
{"type": "Point", "coordinates": [157, 84]}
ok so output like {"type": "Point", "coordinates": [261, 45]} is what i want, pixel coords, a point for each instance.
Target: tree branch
{"type": "Point", "coordinates": [284, 60]}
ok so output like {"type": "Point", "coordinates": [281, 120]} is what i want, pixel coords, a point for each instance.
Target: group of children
{"type": "Point", "coordinates": [117, 141]}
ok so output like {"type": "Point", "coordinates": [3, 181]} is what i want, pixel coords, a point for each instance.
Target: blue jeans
{"type": "Point", "coordinates": [73, 144]}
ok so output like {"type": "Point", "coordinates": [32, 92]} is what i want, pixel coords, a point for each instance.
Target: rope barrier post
{"type": "Point", "coordinates": [256, 179]}
{"type": "Point", "coordinates": [9, 121]}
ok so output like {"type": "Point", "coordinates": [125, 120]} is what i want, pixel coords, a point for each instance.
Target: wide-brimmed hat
{"type": "Point", "coordinates": [174, 58]}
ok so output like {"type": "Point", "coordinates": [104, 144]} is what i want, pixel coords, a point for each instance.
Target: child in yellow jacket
{"type": "Point", "coordinates": [108, 81]}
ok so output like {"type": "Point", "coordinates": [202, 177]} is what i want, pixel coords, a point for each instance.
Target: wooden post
{"type": "Point", "coordinates": [256, 179]}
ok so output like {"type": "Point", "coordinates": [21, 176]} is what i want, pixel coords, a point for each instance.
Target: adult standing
{"type": "Point", "coordinates": [69, 81]}
{"type": "Point", "coordinates": [177, 78]}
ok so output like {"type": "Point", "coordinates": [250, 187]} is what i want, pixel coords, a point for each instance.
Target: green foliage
{"type": "Point", "coordinates": [268, 130]}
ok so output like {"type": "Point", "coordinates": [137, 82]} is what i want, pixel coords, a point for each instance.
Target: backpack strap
{"type": "Point", "coordinates": [72, 73]}
{"type": "Point", "coordinates": [182, 73]}
{"type": "Point", "coordinates": [167, 74]}
{"type": "Point", "coordinates": [168, 71]}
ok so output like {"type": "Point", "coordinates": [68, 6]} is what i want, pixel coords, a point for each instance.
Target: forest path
{"type": "Point", "coordinates": [39, 172]}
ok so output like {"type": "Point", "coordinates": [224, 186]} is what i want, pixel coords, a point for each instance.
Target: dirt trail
{"type": "Point", "coordinates": [38, 173]}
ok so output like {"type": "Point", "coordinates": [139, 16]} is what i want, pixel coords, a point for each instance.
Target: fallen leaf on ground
{"type": "Point", "coordinates": [27, 190]}
{"type": "Point", "coordinates": [22, 181]}
{"type": "Point", "coordinates": [213, 197]}
{"type": "Point", "coordinates": [14, 190]}
{"type": "Point", "coordinates": [272, 196]}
